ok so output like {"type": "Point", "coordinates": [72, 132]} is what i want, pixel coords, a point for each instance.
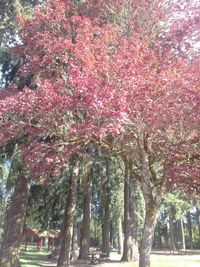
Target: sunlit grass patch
{"type": "Point", "coordinates": [33, 258]}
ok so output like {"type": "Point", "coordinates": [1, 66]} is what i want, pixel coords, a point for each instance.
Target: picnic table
{"type": "Point", "coordinates": [97, 256]}
{"type": "Point", "coordinates": [94, 257]}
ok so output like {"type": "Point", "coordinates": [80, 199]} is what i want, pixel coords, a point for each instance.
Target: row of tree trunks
{"type": "Point", "coordinates": [65, 239]}
{"type": "Point", "coordinates": [172, 235]}
{"type": "Point", "coordinates": [14, 224]}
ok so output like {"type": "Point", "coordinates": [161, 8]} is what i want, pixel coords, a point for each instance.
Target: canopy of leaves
{"type": "Point", "coordinates": [97, 76]}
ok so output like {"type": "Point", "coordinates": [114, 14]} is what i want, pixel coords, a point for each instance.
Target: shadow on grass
{"type": "Point", "coordinates": [32, 258]}
{"type": "Point", "coordinates": [167, 253]}
{"type": "Point", "coordinates": [31, 263]}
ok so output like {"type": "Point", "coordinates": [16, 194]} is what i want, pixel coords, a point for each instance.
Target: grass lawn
{"type": "Point", "coordinates": [173, 261]}
{"type": "Point", "coordinates": [33, 258]}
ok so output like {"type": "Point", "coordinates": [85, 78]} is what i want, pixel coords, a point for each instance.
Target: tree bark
{"type": "Point", "coordinates": [134, 195]}
{"type": "Point", "coordinates": [158, 236]}
{"type": "Point", "coordinates": [152, 191]}
{"type": "Point", "coordinates": [165, 235]}
{"type": "Point", "coordinates": [106, 210]}
{"type": "Point", "coordinates": [198, 219]}
{"type": "Point", "coordinates": [189, 226]}
{"type": "Point", "coordinates": [64, 255]}
{"type": "Point", "coordinates": [111, 235]}
{"type": "Point", "coordinates": [85, 230]}
{"type": "Point", "coordinates": [75, 248]}
{"type": "Point", "coordinates": [14, 224]}
{"type": "Point", "coordinates": [152, 210]}
{"type": "Point", "coordinates": [130, 247]}
{"type": "Point", "coordinates": [171, 231]}
{"type": "Point", "coordinates": [127, 230]}
{"type": "Point", "coordinates": [55, 253]}
{"type": "Point", "coordinates": [120, 236]}
{"type": "Point", "coordinates": [181, 234]}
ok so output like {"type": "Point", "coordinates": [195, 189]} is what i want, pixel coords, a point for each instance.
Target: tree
{"type": "Point", "coordinates": [127, 247]}
{"type": "Point", "coordinates": [105, 199]}
{"type": "Point", "coordinates": [79, 62]}
{"type": "Point", "coordinates": [15, 215]}
{"type": "Point", "coordinates": [68, 219]}
{"type": "Point", "coordinates": [189, 226]}
{"type": "Point", "coordinates": [85, 229]}
{"type": "Point", "coordinates": [4, 172]}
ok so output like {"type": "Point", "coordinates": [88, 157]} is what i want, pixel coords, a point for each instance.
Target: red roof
{"type": "Point", "coordinates": [45, 233]}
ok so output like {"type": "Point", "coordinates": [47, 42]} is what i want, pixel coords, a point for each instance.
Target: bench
{"type": "Point", "coordinates": [94, 257]}
{"type": "Point", "coordinates": [97, 256]}
{"type": "Point", "coordinates": [104, 256]}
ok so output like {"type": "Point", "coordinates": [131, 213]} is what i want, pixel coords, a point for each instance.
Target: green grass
{"type": "Point", "coordinates": [175, 261]}
{"type": "Point", "coordinates": [172, 261]}
{"type": "Point", "coordinates": [33, 258]}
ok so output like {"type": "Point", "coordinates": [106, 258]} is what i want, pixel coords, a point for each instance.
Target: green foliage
{"type": "Point", "coordinates": [17, 169]}
{"type": "Point", "coordinates": [117, 186]}
{"type": "Point", "coordinates": [46, 203]}
{"type": "Point", "coordinates": [9, 11]}
{"type": "Point", "coordinates": [178, 201]}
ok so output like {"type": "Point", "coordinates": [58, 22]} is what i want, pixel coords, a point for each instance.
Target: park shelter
{"type": "Point", "coordinates": [38, 236]}
{"type": "Point", "coordinates": [35, 234]}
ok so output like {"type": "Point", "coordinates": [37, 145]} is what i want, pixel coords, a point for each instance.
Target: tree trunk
{"type": "Point", "coordinates": [152, 210]}
{"type": "Point", "coordinates": [127, 230]}
{"type": "Point", "coordinates": [158, 236]}
{"type": "Point", "coordinates": [198, 219]}
{"type": "Point", "coordinates": [171, 231]}
{"type": "Point", "coordinates": [189, 226]}
{"type": "Point", "coordinates": [181, 235]}
{"type": "Point", "coordinates": [134, 195]}
{"type": "Point", "coordinates": [64, 256]}
{"type": "Point", "coordinates": [165, 235]}
{"type": "Point", "coordinates": [55, 253]}
{"type": "Point", "coordinates": [120, 236]}
{"type": "Point", "coordinates": [14, 224]}
{"type": "Point", "coordinates": [106, 210]}
{"type": "Point", "coordinates": [130, 247]}
{"type": "Point", "coordinates": [75, 248]}
{"type": "Point", "coordinates": [152, 188]}
{"type": "Point", "coordinates": [85, 230]}
{"type": "Point", "coordinates": [111, 235]}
